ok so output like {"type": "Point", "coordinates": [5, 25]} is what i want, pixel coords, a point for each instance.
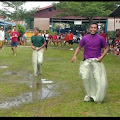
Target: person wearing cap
{"type": "Point", "coordinates": [2, 38]}
{"type": "Point", "coordinates": [37, 43]}
{"type": "Point", "coordinates": [91, 68]}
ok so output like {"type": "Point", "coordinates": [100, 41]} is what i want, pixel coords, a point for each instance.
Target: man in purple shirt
{"type": "Point", "coordinates": [92, 43]}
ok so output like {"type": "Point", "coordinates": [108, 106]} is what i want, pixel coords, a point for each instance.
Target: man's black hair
{"type": "Point", "coordinates": [94, 23]}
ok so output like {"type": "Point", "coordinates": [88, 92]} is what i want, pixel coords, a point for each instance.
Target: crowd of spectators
{"type": "Point", "coordinates": [68, 38]}
{"type": "Point", "coordinates": [114, 43]}
{"type": "Point", "coordinates": [63, 39]}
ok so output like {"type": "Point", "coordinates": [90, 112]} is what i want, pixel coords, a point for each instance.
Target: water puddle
{"type": "Point", "coordinates": [3, 66]}
{"type": "Point", "coordinates": [10, 73]}
{"type": "Point", "coordinates": [40, 89]}
{"type": "Point", "coordinates": [46, 82]}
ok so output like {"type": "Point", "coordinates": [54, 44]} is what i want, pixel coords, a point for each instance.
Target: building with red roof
{"type": "Point", "coordinates": [45, 17]}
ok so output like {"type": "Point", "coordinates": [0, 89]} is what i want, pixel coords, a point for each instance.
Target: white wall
{"type": "Point", "coordinates": [42, 23]}
{"type": "Point", "coordinates": [113, 24]}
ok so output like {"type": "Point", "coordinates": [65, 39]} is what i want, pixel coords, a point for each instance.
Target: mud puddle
{"type": "Point", "coordinates": [10, 73]}
{"type": "Point", "coordinates": [40, 89]}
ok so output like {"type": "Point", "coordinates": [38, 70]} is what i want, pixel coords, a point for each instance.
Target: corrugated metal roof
{"type": "Point", "coordinates": [4, 22]}
{"type": "Point", "coordinates": [116, 12]}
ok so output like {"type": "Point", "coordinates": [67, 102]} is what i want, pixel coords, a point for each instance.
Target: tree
{"type": "Point", "coordinates": [15, 11]}
{"type": "Point", "coordinates": [10, 9]}
{"type": "Point", "coordinates": [90, 10]}
{"type": "Point", "coordinates": [20, 28]}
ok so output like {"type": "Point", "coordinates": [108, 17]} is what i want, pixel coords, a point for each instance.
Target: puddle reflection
{"type": "Point", "coordinates": [3, 66]}
{"type": "Point", "coordinates": [9, 73]}
{"type": "Point", "coordinates": [38, 92]}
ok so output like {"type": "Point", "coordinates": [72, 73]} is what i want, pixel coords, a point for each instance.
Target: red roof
{"type": "Point", "coordinates": [1, 16]}
{"type": "Point", "coordinates": [45, 7]}
{"type": "Point", "coordinates": [44, 13]}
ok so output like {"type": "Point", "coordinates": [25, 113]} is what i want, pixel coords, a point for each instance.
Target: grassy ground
{"type": "Point", "coordinates": [58, 68]}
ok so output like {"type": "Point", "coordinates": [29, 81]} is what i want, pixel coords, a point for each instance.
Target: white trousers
{"type": "Point", "coordinates": [94, 78]}
{"type": "Point", "coordinates": [37, 60]}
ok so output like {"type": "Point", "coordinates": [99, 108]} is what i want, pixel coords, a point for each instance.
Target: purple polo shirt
{"type": "Point", "coordinates": [92, 45]}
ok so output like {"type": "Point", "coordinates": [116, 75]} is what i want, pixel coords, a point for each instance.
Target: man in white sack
{"type": "Point", "coordinates": [91, 68]}
{"type": "Point", "coordinates": [38, 43]}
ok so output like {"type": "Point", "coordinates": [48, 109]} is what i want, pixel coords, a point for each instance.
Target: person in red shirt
{"type": "Point", "coordinates": [14, 40]}
{"type": "Point", "coordinates": [70, 36]}
{"type": "Point", "coordinates": [55, 38]}
{"type": "Point", "coordinates": [117, 41]}
{"type": "Point", "coordinates": [66, 38]}
{"type": "Point", "coordinates": [103, 34]}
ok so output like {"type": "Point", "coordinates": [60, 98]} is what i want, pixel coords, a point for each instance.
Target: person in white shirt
{"type": "Point", "coordinates": [2, 38]}
{"type": "Point", "coordinates": [45, 35]}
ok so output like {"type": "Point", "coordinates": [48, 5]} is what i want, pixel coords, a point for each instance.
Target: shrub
{"type": "Point", "coordinates": [20, 28]}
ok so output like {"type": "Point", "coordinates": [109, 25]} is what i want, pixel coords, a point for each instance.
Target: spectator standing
{"type": "Point", "coordinates": [103, 34]}
{"type": "Point", "coordinates": [46, 35]}
{"type": "Point", "coordinates": [38, 43]}
{"type": "Point", "coordinates": [70, 35]}
{"type": "Point", "coordinates": [118, 49]}
{"type": "Point", "coordinates": [66, 39]}
{"type": "Point", "coordinates": [2, 37]}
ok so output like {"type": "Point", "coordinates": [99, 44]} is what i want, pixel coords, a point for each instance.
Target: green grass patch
{"type": "Point", "coordinates": [57, 67]}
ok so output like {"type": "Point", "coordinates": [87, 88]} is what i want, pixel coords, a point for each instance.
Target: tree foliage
{"type": "Point", "coordinates": [15, 11]}
{"type": "Point", "coordinates": [20, 28]}
{"type": "Point", "coordinates": [86, 9]}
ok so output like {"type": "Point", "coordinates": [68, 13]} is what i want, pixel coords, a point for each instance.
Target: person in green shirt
{"type": "Point", "coordinates": [37, 43]}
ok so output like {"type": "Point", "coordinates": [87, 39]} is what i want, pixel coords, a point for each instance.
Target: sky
{"type": "Point", "coordinates": [31, 4]}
